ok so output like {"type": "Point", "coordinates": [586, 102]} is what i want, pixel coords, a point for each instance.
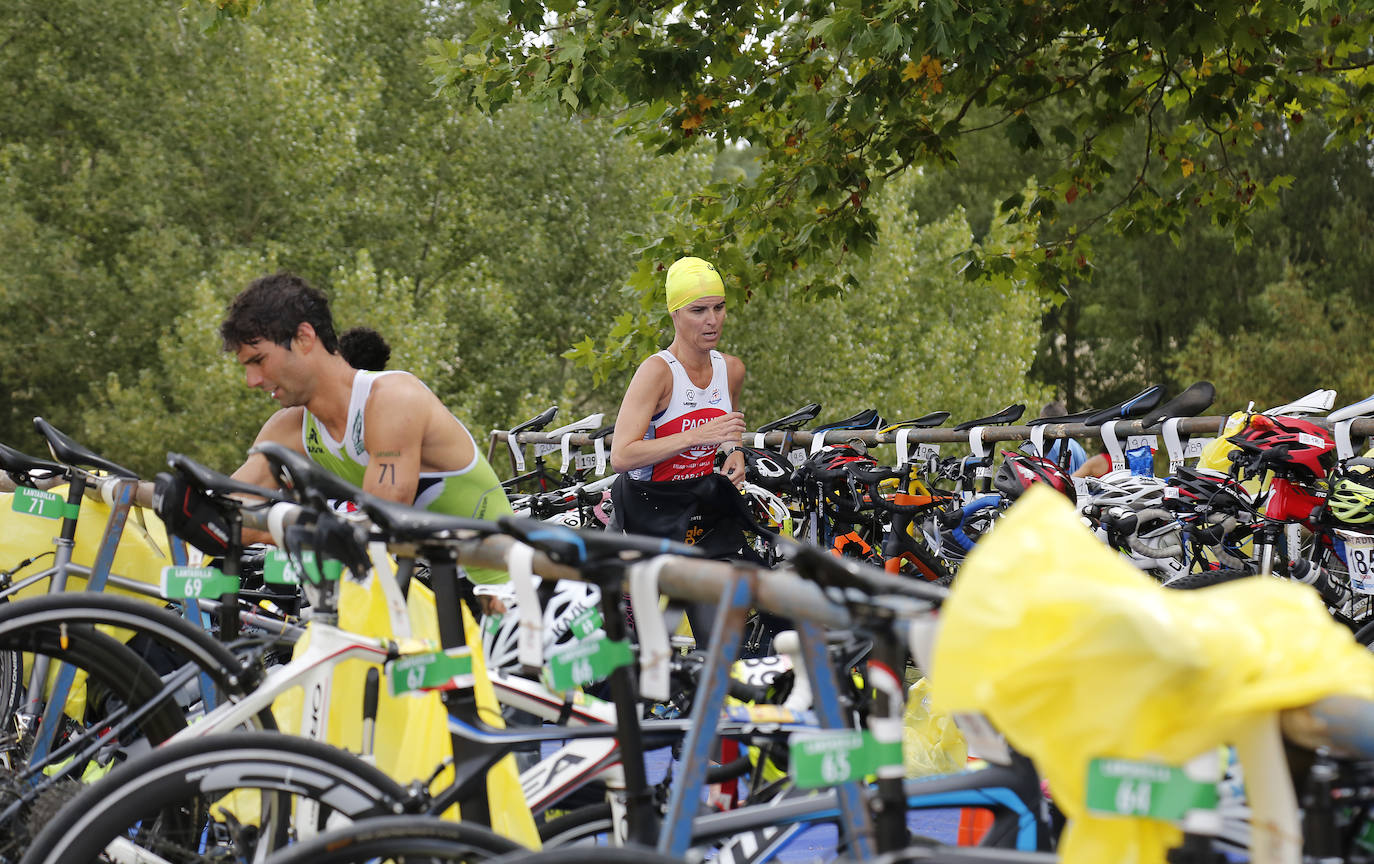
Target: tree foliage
{"type": "Point", "coordinates": [151, 169]}
{"type": "Point", "coordinates": [914, 337]}
{"type": "Point", "coordinates": [838, 98]}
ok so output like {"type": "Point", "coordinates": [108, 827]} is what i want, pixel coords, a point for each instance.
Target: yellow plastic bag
{"type": "Point", "coordinates": [931, 743]}
{"type": "Point", "coordinates": [141, 555]}
{"type": "Point", "coordinates": [1074, 654]}
{"type": "Point", "coordinates": [412, 736]}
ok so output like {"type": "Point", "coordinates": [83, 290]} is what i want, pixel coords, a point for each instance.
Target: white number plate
{"type": "Point", "coordinates": [1193, 449]}
{"type": "Point", "coordinates": [1359, 560]}
{"type": "Point", "coordinates": [1135, 441]}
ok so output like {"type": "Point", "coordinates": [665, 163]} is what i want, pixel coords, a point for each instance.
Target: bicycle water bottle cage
{"type": "Point", "coordinates": [1130, 408]}
{"type": "Point", "coordinates": [1009, 414]}
{"type": "Point", "coordinates": [795, 420]}
{"type": "Point", "coordinates": [64, 449]}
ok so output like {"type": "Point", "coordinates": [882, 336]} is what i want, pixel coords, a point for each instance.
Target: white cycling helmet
{"type": "Point", "coordinates": [1121, 488]}
{"type": "Point", "coordinates": [501, 634]}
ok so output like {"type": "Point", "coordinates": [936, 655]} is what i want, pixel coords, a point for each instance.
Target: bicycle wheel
{"type": "Point", "coordinates": [585, 826]}
{"type": "Point", "coordinates": [232, 797]}
{"type": "Point", "coordinates": [589, 855]}
{"type": "Point", "coordinates": [400, 840]}
{"type": "Point", "coordinates": [117, 681]}
{"type": "Point", "coordinates": [11, 682]}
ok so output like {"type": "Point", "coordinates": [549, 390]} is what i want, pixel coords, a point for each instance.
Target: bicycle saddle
{"type": "Point", "coordinates": [795, 420]}
{"type": "Point", "coordinates": [586, 424]}
{"type": "Point", "coordinates": [64, 449]}
{"type": "Point", "coordinates": [536, 424]}
{"type": "Point", "coordinates": [1190, 403]}
{"type": "Point", "coordinates": [1316, 402]}
{"type": "Point", "coordinates": [867, 419]}
{"type": "Point", "coordinates": [22, 465]}
{"type": "Point", "coordinates": [934, 418]}
{"type": "Point", "coordinates": [602, 432]}
{"type": "Point", "coordinates": [1363, 408]}
{"type": "Point", "coordinates": [303, 477]}
{"type": "Point", "coordinates": [1076, 417]}
{"type": "Point", "coordinates": [1009, 414]}
{"type": "Point", "coordinates": [214, 483]}
{"type": "Point", "coordinates": [406, 523]}
{"type": "Point", "coordinates": [1132, 407]}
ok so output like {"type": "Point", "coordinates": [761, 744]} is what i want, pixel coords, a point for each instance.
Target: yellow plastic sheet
{"type": "Point", "coordinates": [1074, 654]}
{"type": "Point", "coordinates": [141, 555]}
{"type": "Point", "coordinates": [931, 743]}
{"type": "Point", "coordinates": [412, 736]}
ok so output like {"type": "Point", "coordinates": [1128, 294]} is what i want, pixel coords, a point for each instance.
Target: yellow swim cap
{"type": "Point", "coordinates": [691, 279]}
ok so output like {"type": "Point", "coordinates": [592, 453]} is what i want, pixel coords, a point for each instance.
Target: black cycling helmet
{"type": "Point", "coordinates": [1201, 487]}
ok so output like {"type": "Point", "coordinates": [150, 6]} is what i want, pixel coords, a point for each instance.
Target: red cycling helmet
{"type": "Point", "coordinates": [1288, 444]}
{"type": "Point", "coordinates": [1018, 471]}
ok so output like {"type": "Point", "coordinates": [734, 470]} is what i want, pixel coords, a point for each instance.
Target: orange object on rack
{"type": "Point", "coordinates": [974, 823]}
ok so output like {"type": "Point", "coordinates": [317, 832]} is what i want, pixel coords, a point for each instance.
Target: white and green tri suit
{"type": "Point", "coordinates": [473, 491]}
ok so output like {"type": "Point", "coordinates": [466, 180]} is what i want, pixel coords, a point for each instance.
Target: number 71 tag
{"type": "Point", "coordinates": [37, 502]}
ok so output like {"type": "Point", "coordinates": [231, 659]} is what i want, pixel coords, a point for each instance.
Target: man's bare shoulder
{"type": "Point", "coordinates": [398, 389]}
{"type": "Point", "coordinates": [284, 427]}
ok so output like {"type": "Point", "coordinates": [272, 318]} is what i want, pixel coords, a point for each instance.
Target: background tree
{"type": "Point", "coordinates": [837, 99]}
{"type": "Point", "coordinates": [150, 163]}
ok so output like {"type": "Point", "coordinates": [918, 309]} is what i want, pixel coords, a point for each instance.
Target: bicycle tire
{"type": "Point", "coordinates": [591, 855]}
{"type": "Point", "coordinates": [11, 682]}
{"type": "Point", "coordinates": [400, 839]}
{"type": "Point", "coordinates": [114, 676]}
{"type": "Point", "coordinates": [1205, 578]}
{"type": "Point", "coordinates": [180, 636]}
{"type": "Point", "coordinates": [172, 801]}
{"type": "Point", "coordinates": [581, 826]}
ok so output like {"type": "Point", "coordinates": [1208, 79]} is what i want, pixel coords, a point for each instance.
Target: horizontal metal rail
{"type": "Point", "coordinates": [1189, 425]}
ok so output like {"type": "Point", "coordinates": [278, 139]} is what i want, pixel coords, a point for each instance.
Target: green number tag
{"type": "Point", "coordinates": [36, 502]}
{"type": "Point", "coordinates": [439, 670]}
{"type": "Point", "coordinates": [1147, 790]}
{"type": "Point", "coordinates": [586, 622]}
{"type": "Point", "coordinates": [491, 623]}
{"type": "Point", "coordinates": [839, 756]}
{"type": "Point", "coordinates": [279, 569]}
{"type": "Point", "coordinates": [200, 583]}
{"type": "Point", "coordinates": [587, 662]}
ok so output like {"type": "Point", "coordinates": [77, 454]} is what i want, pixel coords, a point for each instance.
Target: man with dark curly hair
{"type": "Point", "coordinates": [383, 431]}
